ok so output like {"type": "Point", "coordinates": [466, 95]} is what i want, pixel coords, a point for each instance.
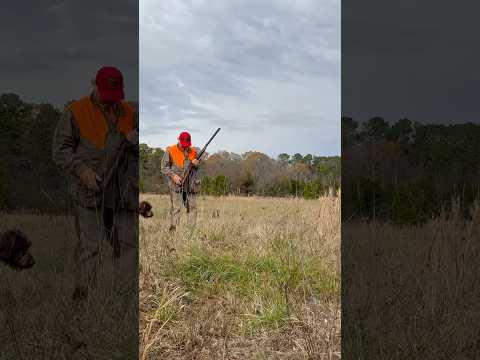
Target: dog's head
{"type": "Point", "coordinates": [145, 209]}
{"type": "Point", "coordinates": [14, 246]}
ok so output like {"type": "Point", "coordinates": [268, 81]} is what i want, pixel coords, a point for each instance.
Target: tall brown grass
{"type": "Point", "coordinates": [38, 320]}
{"type": "Point", "coordinates": [257, 278]}
{"type": "Point", "coordinates": [412, 292]}
{"type": "Point", "coordinates": [260, 280]}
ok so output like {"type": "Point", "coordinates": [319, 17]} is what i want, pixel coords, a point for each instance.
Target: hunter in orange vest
{"type": "Point", "coordinates": [172, 168]}
{"type": "Point", "coordinates": [177, 154]}
{"type": "Point", "coordinates": [93, 124]}
{"type": "Point", "coordinates": [96, 145]}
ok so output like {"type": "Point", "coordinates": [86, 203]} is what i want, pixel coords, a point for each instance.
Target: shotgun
{"type": "Point", "coordinates": [191, 172]}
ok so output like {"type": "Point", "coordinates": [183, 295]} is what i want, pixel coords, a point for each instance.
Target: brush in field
{"type": "Point", "coordinates": [14, 246]}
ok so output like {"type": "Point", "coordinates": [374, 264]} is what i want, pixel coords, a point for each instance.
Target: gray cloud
{"type": "Point", "coordinates": [414, 59]}
{"type": "Point", "coordinates": [55, 47]}
{"type": "Point", "coordinates": [247, 66]}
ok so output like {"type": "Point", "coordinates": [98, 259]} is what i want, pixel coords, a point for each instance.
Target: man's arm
{"type": "Point", "coordinates": [196, 162]}
{"type": "Point", "coordinates": [65, 139]}
{"type": "Point", "coordinates": [132, 137]}
{"type": "Point", "coordinates": [166, 165]}
{"type": "Point", "coordinates": [167, 170]}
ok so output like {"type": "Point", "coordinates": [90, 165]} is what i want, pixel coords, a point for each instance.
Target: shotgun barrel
{"type": "Point", "coordinates": [186, 183]}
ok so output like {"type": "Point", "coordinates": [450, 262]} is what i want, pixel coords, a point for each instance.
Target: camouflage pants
{"type": "Point", "coordinates": [179, 201]}
{"type": "Point", "coordinates": [120, 228]}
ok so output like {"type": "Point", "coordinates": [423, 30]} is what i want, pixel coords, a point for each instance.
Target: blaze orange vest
{"type": "Point", "coordinates": [92, 123]}
{"type": "Point", "coordinates": [177, 156]}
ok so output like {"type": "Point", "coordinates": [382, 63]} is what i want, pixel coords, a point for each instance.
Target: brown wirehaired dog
{"type": "Point", "coordinates": [14, 246]}
{"type": "Point", "coordinates": [145, 209]}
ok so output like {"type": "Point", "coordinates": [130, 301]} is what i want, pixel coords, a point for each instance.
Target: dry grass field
{"type": "Point", "coordinates": [412, 292]}
{"type": "Point", "coordinates": [258, 278]}
{"type": "Point", "coordinates": [258, 281]}
{"type": "Point", "coordinates": [37, 318]}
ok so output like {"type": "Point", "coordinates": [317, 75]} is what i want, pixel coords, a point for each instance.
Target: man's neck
{"type": "Point", "coordinates": [105, 107]}
{"type": "Point", "coordinates": [182, 148]}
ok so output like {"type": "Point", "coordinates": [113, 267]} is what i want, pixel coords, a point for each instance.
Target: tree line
{"type": "Point", "coordinates": [29, 179]}
{"type": "Point", "coordinates": [28, 176]}
{"type": "Point", "coordinates": [251, 173]}
{"type": "Point", "coordinates": [407, 171]}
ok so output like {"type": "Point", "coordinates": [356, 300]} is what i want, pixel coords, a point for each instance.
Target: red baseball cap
{"type": "Point", "coordinates": [109, 81]}
{"type": "Point", "coordinates": [185, 139]}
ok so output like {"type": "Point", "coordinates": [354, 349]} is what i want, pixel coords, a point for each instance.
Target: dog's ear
{"type": "Point", "coordinates": [145, 209]}
{"type": "Point", "coordinates": [145, 205]}
{"type": "Point", "coordinates": [14, 245]}
{"type": "Point", "coordinates": [21, 241]}
{"type": "Point", "coordinates": [7, 242]}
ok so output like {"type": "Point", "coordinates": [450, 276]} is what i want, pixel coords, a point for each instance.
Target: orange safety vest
{"type": "Point", "coordinates": [177, 156]}
{"type": "Point", "coordinates": [92, 123]}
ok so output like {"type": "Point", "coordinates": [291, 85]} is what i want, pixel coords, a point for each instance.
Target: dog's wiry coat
{"type": "Point", "coordinates": [145, 209]}
{"type": "Point", "coordinates": [14, 250]}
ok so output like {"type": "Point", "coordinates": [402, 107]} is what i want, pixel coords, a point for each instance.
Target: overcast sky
{"type": "Point", "coordinates": [52, 49]}
{"type": "Point", "coordinates": [410, 58]}
{"type": "Point", "coordinates": [266, 72]}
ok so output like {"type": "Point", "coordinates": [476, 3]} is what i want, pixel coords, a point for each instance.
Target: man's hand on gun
{"type": "Point", "coordinates": [177, 179]}
{"type": "Point", "coordinates": [90, 179]}
{"type": "Point", "coordinates": [132, 136]}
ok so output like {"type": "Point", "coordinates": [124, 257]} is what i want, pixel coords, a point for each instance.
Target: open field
{"type": "Point", "coordinates": [412, 292]}
{"type": "Point", "coordinates": [37, 318]}
{"type": "Point", "coordinates": [257, 279]}
{"type": "Point", "coordinates": [260, 280]}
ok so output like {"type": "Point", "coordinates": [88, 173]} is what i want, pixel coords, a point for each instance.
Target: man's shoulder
{"type": "Point", "coordinates": [127, 109]}
{"type": "Point", "coordinates": [130, 105]}
{"type": "Point", "coordinates": [76, 104]}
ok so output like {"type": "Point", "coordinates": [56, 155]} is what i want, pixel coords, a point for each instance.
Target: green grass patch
{"type": "Point", "coordinates": [273, 315]}
{"type": "Point", "coordinates": [325, 284]}
{"type": "Point", "coordinates": [167, 313]}
{"type": "Point", "coordinates": [245, 273]}
{"type": "Point", "coordinates": [201, 270]}
{"type": "Point", "coordinates": [263, 283]}
{"type": "Point", "coordinates": [252, 274]}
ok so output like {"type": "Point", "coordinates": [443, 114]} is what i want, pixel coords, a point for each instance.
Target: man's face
{"type": "Point", "coordinates": [96, 95]}
{"type": "Point", "coordinates": [184, 140]}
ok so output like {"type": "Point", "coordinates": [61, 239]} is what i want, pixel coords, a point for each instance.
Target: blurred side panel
{"type": "Point", "coordinates": [410, 180]}
{"type": "Point", "coordinates": [52, 51]}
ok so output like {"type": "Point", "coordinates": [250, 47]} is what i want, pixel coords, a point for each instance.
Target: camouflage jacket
{"type": "Point", "coordinates": [168, 168]}
{"type": "Point", "coordinates": [72, 154]}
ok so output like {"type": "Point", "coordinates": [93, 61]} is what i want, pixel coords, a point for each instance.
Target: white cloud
{"type": "Point", "coordinates": [267, 72]}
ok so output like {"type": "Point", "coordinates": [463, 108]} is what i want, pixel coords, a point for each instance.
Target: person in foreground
{"type": "Point", "coordinates": [96, 145]}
